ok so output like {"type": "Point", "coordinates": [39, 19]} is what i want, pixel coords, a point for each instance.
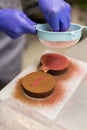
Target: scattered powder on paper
{"type": "Point", "coordinates": [59, 93]}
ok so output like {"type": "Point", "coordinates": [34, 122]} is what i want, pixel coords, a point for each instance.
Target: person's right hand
{"type": "Point", "coordinates": [57, 13]}
{"type": "Point", "coordinates": [15, 23]}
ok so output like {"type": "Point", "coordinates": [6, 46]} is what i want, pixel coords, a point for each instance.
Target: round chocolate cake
{"type": "Point", "coordinates": [54, 63]}
{"type": "Point", "coordinates": [38, 84]}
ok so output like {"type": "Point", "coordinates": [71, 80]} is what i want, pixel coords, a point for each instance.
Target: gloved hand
{"type": "Point", "coordinates": [57, 13]}
{"type": "Point", "coordinates": [15, 23]}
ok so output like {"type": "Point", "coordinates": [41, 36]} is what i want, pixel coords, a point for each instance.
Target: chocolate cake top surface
{"type": "Point", "coordinates": [38, 82]}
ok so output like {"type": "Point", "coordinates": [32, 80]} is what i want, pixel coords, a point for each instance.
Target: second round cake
{"type": "Point", "coordinates": [38, 84]}
{"type": "Point", "coordinates": [54, 63]}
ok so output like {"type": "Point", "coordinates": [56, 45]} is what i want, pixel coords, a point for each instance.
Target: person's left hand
{"type": "Point", "coordinates": [15, 23]}
{"type": "Point", "coordinates": [57, 13]}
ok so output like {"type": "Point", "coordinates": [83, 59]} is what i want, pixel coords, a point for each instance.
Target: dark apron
{"type": "Point", "coordinates": [10, 50]}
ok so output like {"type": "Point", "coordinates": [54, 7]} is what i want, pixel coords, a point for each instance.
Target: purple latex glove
{"type": "Point", "coordinates": [57, 13]}
{"type": "Point", "coordinates": [15, 23]}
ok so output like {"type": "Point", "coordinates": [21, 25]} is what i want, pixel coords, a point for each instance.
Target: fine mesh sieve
{"type": "Point", "coordinates": [59, 39]}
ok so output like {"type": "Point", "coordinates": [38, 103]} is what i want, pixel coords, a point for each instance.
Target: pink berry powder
{"type": "Point", "coordinates": [58, 44]}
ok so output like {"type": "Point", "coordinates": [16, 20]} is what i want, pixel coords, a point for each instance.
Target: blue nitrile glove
{"type": "Point", "coordinates": [15, 23]}
{"type": "Point", "coordinates": [57, 13]}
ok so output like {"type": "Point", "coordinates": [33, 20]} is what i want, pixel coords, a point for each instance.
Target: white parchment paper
{"type": "Point", "coordinates": [71, 84]}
